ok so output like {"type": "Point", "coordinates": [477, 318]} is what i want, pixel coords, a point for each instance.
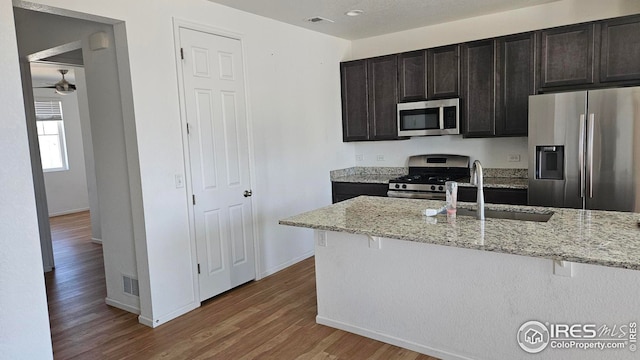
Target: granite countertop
{"type": "Point", "coordinates": [584, 236]}
{"type": "Point", "coordinates": [493, 178]}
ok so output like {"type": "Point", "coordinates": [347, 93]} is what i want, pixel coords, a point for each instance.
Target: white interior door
{"type": "Point", "coordinates": [218, 149]}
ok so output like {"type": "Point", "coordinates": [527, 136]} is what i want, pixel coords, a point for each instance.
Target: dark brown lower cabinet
{"type": "Point", "coordinates": [494, 195]}
{"type": "Point", "coordinates": [346, 190]}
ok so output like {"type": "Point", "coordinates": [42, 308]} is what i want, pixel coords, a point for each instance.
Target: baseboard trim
{"type": "Point", "coordinates": [445, 355]}
{"type": "Point", "coordinates": [122, 306]}
{"type": "Point", "coordinates": [96, 241]}
{"type": "Point", "coordinates": [145, 321]}
{"type": "Point", "coordinates": [172, 315]}
{"type": "Point", "coordinates": [286, 264]}
{"type": "Point", "coordinates": [68, 212]}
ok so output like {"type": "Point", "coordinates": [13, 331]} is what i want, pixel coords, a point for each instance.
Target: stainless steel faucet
{"type": "Point", "coordinates": [478, 182]}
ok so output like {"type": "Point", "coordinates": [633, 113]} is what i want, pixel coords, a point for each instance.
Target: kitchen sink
{"type": "Point", "coordinates": [508, 214]}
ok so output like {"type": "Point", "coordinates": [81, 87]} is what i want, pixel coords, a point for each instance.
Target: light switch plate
{"type": "Point", "coordinates": [179, 181]}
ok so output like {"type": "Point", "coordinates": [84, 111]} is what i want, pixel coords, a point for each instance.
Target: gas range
{"type": "Point", "coordinates": [428, 175]}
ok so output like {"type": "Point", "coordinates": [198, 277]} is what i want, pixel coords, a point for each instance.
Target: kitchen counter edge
{"type": "Point", "coordinates": [594, 237]}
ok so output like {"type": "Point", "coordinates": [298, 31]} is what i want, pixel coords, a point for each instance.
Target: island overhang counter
{"type": "Point", "coordinates": [460, 288]}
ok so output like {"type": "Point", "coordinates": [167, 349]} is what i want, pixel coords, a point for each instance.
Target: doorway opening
{"type": "Point", "coordinates": [104, 80]}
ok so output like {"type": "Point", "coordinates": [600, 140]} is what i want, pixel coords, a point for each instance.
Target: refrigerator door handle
{"type": "Point", "coordinates": [590, 134]}
{"type": "Point", "coordinates": [583, 135]}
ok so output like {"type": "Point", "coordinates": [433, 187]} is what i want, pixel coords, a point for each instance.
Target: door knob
{"type": "Point", "coordinates": [248, 193]}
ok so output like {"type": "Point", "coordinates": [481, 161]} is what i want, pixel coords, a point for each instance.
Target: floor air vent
{"type": "Point", "coordinates": [130, 285]}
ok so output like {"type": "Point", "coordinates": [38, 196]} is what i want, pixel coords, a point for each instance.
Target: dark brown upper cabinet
{"type": "Point", "coordinates": [479, 88]}
{"type": "Point", "coordinates": [516, 81]}
{"type": "Point", "coordinates": [443, 72]}
{"type": "Point", "coordinates": [355, 100]}
{"type": "Point", "coordinates": [620, 49]}
{"type": "Point", "coordinates": [383, 97]}
{"type": "Point", "coordinates": [412, 76]}
{"type": "Point", "coordinates": [369, 97]}
{"type": "Point", "coordinates": [567, 56]}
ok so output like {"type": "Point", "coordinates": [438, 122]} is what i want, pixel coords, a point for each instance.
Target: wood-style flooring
{"type": "Point", "coordinates": [273, 318]}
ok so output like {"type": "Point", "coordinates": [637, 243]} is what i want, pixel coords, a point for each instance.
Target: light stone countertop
{"type": "Point", "coordinates": [584, 236]}
{"type": "Point", "coordinates": [493, 178]}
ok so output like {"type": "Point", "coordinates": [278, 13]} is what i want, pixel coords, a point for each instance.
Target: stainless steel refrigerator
{"type": "Point", "coordinates": [584, 149]}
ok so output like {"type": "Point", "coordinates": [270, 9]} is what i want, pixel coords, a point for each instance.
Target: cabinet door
{"type": "Point", "coordinates": [383, 96]}
{"type": "Point", "coordinates": [412, 74]}
{"type": "Point", "coordinates": [478, 83]}
{"type": "Point", "coordinates": [566, 56]}
{"type": "Point", "coordinates": [443, 74]}
{"type": "Point", "coordinates": [343, 191]}
{"type": "Point", "coordinates": [355, 106]}
{"type": "Point", "coordinates": [516, 81]}
{"type": "Point", "coordinates": [620, 50]}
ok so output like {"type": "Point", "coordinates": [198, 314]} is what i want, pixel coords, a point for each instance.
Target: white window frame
{"type": "Point", "coordinates": [50, 109]}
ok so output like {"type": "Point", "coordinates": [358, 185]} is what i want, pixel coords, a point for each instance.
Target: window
{"type": "Point", "coordinates": [53, 149]}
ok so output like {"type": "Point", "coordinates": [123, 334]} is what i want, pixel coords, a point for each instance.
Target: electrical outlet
{"type": "Point", "coordinates": [380, 157]}
{"type": "Point", "coordinates": [322, 238]}
{"type": "Point", "coordinates": [359, 157]}
{"type": "Point", "coordinates": [513, 158]}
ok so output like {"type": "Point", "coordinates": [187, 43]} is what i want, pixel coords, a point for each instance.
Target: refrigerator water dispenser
{"type": "Point", "coordinates": [550, 162]}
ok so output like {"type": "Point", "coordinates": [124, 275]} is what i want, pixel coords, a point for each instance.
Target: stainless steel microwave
{"type": "Point", "coordinates": [433, 117]}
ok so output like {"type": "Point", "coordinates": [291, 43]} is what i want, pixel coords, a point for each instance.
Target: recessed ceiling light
{"type": "Point", "coordinates": [354, 12]}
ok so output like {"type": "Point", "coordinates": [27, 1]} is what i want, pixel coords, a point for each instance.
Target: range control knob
{"type": "Point", "coordinates": [433, 187]}
{"type": "Point", "coordinates": [440, 187]}
{"type": "Point", "coordinates": [397, 186]}
{"type": "Point", "coordinates": [404, 186]}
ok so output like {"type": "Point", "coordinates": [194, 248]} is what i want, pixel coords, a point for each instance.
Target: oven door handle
{"type": "Point", "coordinates": [416, 195]}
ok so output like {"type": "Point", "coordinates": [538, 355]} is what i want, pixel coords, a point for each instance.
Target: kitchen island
{"type": "Point", "coordinates": [461, 288]}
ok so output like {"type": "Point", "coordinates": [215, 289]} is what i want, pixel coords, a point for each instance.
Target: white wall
{"type": "Point", "coordinates": [24, 333]}
{"type": "Point", "coordinates": [67, 190]}
{"type": "Point", "coordinates": [492, 152]}
{"type": "Point", "coordinates": [294, 110]}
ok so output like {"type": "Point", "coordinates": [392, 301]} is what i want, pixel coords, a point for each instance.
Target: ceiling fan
{"type": "Point", "coordinates": [63, 87]}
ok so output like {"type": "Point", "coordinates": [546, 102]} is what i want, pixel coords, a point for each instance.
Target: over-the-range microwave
{"type": "Point", "coordinates": [432, 117]}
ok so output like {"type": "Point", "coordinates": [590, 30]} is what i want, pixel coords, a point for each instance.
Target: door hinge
{"type": "Point", "coordinates": [198, 268]}
{"type": "Point", "coordinates": [182, 53]}
{"type": "Point", "coordinates": [194, 199]}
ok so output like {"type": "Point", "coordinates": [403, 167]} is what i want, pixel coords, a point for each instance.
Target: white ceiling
{"type": "Point", "coordinates": [380, 16]}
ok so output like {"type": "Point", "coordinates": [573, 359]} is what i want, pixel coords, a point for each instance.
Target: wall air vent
{"type": "Point", "coordinates": [130, 285]}
{"type": "Point", "coordinates": [316, 19]}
